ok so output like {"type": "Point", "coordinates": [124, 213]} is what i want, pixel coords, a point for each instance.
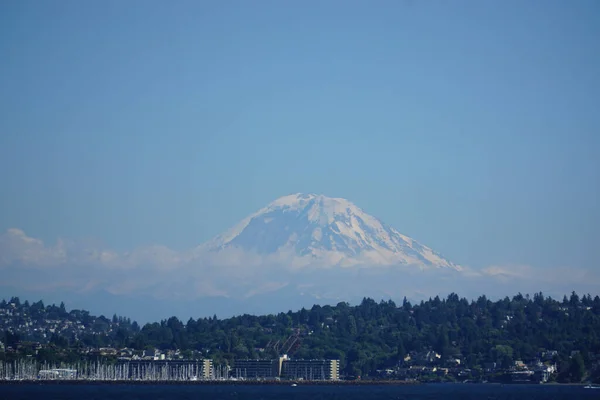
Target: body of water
{"type": "Point", "coordinates": [312, 392]}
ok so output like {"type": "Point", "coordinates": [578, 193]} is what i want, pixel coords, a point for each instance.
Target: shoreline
{"type": "Point", "coordinates": [206, 382]}
{"type": "Point", "coordinates": [78, 382]}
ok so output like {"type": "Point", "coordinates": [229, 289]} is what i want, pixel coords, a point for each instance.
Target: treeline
{"type": "Point", "coordinates": [53, 324]}
{"type": "Point", "coordinates": [377, 335]}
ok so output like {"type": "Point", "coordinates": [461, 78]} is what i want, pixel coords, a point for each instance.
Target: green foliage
{"type": "Point", "coordinates": [372, 336]}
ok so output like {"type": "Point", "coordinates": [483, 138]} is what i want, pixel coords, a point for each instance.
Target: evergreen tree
{"type": "Point", "coordinates": [576, 368]}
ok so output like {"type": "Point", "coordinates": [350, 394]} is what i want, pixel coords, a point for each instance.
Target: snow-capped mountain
{"type": "Point", "coordinates": [299, 250]}
{"type": "Point", "coordinates": [309, 229]}
{"type": "Point", "coordinates": [295, 252]}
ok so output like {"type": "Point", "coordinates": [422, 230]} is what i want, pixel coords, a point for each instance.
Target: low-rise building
{"type": "Point", "coordinates": [319, 370]}
{"type": "Point", "coordinates": [256, 369]}
{"type": "Point", "coordinates": [286, 369]}
{"type": "Point", "coordinates": [166, 369]}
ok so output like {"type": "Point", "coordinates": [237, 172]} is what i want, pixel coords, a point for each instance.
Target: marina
{"type": "Point", "coordinates": [164, 371]}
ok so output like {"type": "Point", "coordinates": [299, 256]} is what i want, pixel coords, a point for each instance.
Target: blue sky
{"type": "Point", "coordinates": [471, 126]}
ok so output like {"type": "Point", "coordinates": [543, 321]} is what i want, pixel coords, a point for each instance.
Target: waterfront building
{"type": "Point", "coordinates": [255, 369]}
{"type": "Point", "coordinates": [57, 373]}
{"type": "Point", "coordinates": [312, 370]}
{"type": "Point", "coordinates": [167, 370]}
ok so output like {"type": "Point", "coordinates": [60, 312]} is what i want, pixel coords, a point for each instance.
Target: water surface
{"type": "Point", "coordinates": [316, 392]}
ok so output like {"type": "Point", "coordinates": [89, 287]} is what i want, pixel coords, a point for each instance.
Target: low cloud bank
{"type": "Point", "coordinates": [78, 270]}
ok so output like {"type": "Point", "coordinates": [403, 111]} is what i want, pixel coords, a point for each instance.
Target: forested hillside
{"type": "Point", "coordinates": [371, 335]}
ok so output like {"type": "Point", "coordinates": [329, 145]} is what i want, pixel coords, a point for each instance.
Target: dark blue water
{"type": "Point", "coordinates": [218, 392]}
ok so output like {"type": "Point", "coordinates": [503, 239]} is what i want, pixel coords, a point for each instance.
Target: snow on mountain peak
{"type": "Point", "coordinates": [319, 209]}
{"type": "Point", "coordinates": [316, 229]}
